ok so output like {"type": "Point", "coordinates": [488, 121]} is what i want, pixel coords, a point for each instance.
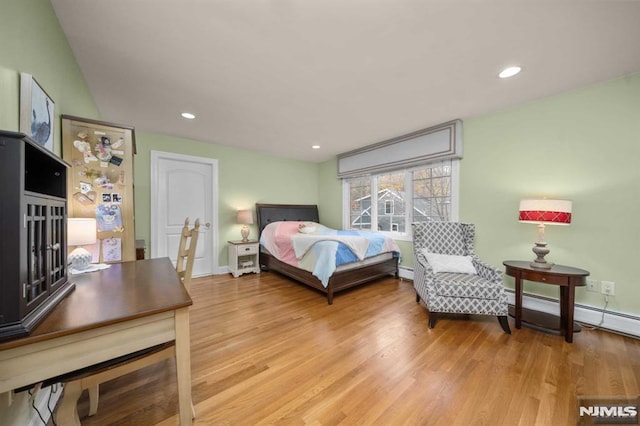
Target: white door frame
{"type": "Point", "coordinates": [156, 156]}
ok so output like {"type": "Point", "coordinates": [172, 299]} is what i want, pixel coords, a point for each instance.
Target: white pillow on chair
{"type": "Point", "coordinates": [450, 263]}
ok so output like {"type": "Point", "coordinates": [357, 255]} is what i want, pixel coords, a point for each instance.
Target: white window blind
{"type": "Point", "coordinates": [440, 142]}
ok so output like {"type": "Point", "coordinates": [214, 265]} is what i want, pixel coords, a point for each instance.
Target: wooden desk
{"type": "Point", "coordinates": [567, 277]}
{"type": "Point", "coordinates": [126, 308]}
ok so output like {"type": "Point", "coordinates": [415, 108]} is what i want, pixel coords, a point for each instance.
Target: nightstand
{"type": "Point", "coordinates": [243, 257]}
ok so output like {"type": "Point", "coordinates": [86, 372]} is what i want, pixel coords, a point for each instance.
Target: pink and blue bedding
{"type": "Point", "coordinates": [319, 249]}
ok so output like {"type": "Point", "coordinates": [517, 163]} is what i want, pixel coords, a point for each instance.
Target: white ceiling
{"type": "Point", "coordinates": [278, 76]}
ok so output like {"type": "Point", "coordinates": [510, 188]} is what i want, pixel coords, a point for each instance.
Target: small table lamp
{"type": "Point", "coordinates": [80, 231]}
{"type": "Point", "coordinates": [245, 217]}
{"type": "Point", "coordinates": [544, 212]}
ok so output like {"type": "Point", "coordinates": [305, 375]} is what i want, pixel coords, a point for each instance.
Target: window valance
{"type": "Point", "coordinates": [440, 142]}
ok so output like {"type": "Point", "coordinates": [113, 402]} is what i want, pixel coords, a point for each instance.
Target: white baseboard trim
{"type": "Point", "coordinates": [405, 273]}
{"type": "Point", "coordinates": [617, 322]}
{"type": "Point", "coordinates": [613, 321]}
{"type": "Point", "coordinates": [222, 270]}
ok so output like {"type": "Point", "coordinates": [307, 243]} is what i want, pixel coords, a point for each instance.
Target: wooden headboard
{"type": "Point", "coordinates": [267, 213]}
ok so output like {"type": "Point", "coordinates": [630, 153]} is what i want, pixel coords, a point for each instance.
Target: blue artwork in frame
{"type": "Point", "coordinates": [37, 112]}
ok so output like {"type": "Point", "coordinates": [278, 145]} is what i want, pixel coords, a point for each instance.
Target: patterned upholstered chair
{"type": "Point", "coordinates": [443, 284]}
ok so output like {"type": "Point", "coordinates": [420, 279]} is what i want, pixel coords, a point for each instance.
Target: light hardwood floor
{"type": "Point", "coordinates": [269, 351]}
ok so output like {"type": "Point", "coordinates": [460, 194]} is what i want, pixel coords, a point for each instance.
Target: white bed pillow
{"type": "Point", "coordinates": [307, 228]}
{"type": "Point", "coordinates": [450, 263]}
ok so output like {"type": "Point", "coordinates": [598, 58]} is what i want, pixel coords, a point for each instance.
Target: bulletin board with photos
{"type": "Point", "coordinates": [100, 183]}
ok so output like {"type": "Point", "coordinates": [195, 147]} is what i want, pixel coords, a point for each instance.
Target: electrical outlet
{"type": "Point", "coordinates": [608, 287]}
{"type": "Point", "coordinates": [592, 285]}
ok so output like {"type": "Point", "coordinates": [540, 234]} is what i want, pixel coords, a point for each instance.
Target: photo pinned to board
{"type": "Point", "coordinates": [84, 147]}
{"type": "Point", "coordinates": [87, 199]}
{"type": "Point", "coordinates": [114, 197]}
{"type": "Point", "coordinates": [112, 249]}
{"type": "Point", "coordinates": [85, 187]}
{"type": "Point", "coordinates": [109, 217]}
{"type": "Point", "coordinates": [103, 149]}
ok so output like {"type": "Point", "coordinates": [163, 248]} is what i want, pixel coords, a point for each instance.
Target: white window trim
{"type": "Point", "coordinates": [405, 236]}
{"type": "Point", "coordinates": [455, 190]}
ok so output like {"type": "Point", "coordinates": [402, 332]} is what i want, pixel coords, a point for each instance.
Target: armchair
{"type": "Point", "coordinates": [446, 289]}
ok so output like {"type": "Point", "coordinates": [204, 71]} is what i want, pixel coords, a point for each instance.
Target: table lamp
{"type": "Point", "coordinates": [544, 212]}
{"type": "Point", "coordinates": [245, 217]}
{"type": "Point", "coordinates": [80, 231]}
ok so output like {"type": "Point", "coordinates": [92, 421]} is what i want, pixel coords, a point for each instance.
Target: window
{"type": "Point", "coordinates": [391, 201]}
{"type": "Point", "coordinates": [423, 193]}
{"type": "Point", "coordinates": [388, 207]}
{"type": "Point", "coordinates": [432, 193]}
{"type": "Point", "coordinates": [359, 206]}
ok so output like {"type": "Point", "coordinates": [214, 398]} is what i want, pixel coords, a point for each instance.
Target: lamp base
{"type": "Point", "coordinates": [538, 265]}
{"type": "Point", "coordinates": [541, 251]}
{"type": "Point", "coordinates": [80, 259]}
{"type": "Point", "coordinates": [245, 233]}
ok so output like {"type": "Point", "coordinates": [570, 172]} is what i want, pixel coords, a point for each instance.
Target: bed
{"type": "Point", "coordinates": [345, 276]}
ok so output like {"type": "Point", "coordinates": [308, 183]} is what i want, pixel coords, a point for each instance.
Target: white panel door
{"type": "Point", "coordinates": [184, 186]}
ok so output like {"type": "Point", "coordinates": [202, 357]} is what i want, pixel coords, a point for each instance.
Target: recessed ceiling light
{"type": "Point", "coordinates": [188, 115]}
{"type": "Point", "coordinates": [315, 146]}
{"type": "Point", "coordinates": [509, 72]}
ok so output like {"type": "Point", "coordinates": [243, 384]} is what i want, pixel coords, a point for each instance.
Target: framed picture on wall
{"type": "Point", "coordinates": [37, 112]}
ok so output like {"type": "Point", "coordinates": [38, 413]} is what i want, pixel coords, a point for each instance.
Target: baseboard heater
{"type": "Point", "coordinates": [617, 322]}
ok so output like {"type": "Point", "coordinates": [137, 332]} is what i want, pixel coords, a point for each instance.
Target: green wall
{"type": "Point", "coordinates": [583, 146]}
{"type": "Point", "coordinates": [330, 194]}
{"type": "Point", "coordinates": [33, 42]}
{"type": "Point", "coordinates": [244, 177]}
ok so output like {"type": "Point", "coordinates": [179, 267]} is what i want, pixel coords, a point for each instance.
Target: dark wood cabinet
{"type": "Point", "coordinates": [33, 221]}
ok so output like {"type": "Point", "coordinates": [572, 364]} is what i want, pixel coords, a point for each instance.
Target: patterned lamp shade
{"type": "Point", "coordinates": [549, 212]}
{"type": "Point", "coordinates": [544, 212]}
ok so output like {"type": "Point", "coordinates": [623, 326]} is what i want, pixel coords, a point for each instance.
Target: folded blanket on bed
{"type": "Point", "coordinates": [323, 250]}
{"type": "Point", "coordinates": [302, 243]}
